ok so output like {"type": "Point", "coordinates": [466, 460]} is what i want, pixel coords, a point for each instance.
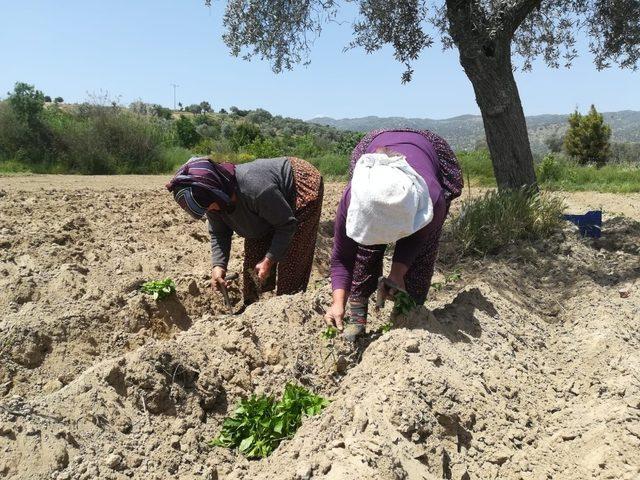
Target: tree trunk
{"type": "Point", "coordinates": [489, 69]}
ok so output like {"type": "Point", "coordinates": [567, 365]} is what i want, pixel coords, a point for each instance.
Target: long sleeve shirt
{"type": "Point", "coordinates": [265, 204]}
{"type": "Point", "coordinates": [422, 157]}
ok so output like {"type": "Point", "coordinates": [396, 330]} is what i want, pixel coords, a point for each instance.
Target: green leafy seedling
{"type": "Point", "coordinates": [330, 333]}
{"type": "Point", "coordinates": [437, 286]}
{"type": "Point", "coordinates": [159, 289]}
{"type": "Point", "coordinates": [260, 423]}
{"type": "Point", "coordinates": [386, 327]}
{"type": "Point", "coordinates": [453, 277]}
{"type": "Point", "coordinates": [403, 303]}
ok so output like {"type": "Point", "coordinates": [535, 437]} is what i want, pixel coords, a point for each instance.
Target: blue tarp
{"type": "Point", "coordinates": [589, 224]}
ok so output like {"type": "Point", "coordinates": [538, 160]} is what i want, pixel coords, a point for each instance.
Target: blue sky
{"type": "Point", "coordinates": [136, 49]}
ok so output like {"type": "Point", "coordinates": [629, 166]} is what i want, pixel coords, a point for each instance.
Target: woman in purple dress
{"type": "Point", "coordinates": [421, 200]}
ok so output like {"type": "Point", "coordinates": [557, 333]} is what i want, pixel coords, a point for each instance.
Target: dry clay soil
{"type": "Point", "coordinates": [524, 366]}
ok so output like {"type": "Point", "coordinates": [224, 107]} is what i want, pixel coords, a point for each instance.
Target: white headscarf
{"type": "Point", "coordinates": [389, 200]}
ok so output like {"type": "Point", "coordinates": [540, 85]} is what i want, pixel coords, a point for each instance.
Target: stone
{"type": "Point", "coordinates": [412, 346]}
{"type": "Point", "coordinates": [114, 461]}
{"type": "Point", "coordinates": [500, 456]}
{"type": "Point", "coordinates": [303, 472]}
{"type": "Point", "coordinates": [193, 288]}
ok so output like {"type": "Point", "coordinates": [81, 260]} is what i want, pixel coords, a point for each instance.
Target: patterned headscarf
{"type": "Point", "coordinates": [201, 182]}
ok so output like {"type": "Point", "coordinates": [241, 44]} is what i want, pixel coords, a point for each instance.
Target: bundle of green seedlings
{"type": "Point", "coordinates": [403, 304]}
{"type": "Point", "coordinates": [260, 423]}
{"type": "Point", "coordinates": [159, 289]}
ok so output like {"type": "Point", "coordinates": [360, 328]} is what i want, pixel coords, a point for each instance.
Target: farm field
{"type": "Point", "coordinates": [524, 366]}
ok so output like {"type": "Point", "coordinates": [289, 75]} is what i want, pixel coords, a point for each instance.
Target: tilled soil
{"type": "Point", "coordinates": [526, 367]}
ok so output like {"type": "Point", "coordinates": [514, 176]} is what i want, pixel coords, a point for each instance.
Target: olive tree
{"type": "Point", "coordinates": [485, 32]}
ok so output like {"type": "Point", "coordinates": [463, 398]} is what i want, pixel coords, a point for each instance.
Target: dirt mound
{"type": "Point", "coordinates": [526, 367]}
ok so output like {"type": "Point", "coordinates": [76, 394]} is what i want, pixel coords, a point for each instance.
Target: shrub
{"type": "Point", "coordinates": [588, 137]}
{"type": "Point", "coordinates": [497, 219]}
{"type": "Point", "coordinates": [264, 148]}
{"type": "Point", "coordinates": [243, 134]}
{"type": "Point", "coordinates": [554, 143]}
{"type": "Point", "coordinates": [26, 101]}
{"type": "Point", "coordinates": [551, 169]}
{"type": "Point", "coordinates": [186, 132]}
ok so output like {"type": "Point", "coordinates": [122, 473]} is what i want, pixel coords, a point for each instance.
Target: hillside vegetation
{"type": "Point", "coordinates": [101, 136]}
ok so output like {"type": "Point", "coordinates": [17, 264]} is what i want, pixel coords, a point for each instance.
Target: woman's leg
{"type": "Point", "coordinates": [254, 251]}
{"type": "Point", "coordinates": [418, 277]}
{"type": "Point", "coordinates": [295, 269]}
{"type": "Point", "coordinates": [367, 268]}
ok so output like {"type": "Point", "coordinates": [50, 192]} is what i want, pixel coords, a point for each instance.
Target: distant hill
{"type": "Point", "coordinates": [465, 131]}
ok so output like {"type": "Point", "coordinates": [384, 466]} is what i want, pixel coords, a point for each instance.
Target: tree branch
{"type": "Point", "coordinates": [516, 15]}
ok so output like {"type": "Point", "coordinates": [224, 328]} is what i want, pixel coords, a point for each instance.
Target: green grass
{"type": "Point", "coordinates": [13, 166]}
{"type": "Point", "coordinates": [617, 178]}
{"type": "Point", "coordinates": [332, 165]}
{"type": "Point", "coordinates": [497, 219]}
{"type": "Point", "coordinates": [555, 172]}
{"type": "Point", "coordinates": [477, 165]}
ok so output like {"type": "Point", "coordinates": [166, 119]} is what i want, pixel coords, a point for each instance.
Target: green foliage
{"type": "Point", "coordinates": [554, 143]}
{"type": "Point", "coordinates": [477, 165]}
{"type": "Point", "coordinates": [264, 148]}
{"type": "Point", "coordinates": [556, 172]}
{"type": "Point", "coordinates": [329, 333]}
{"type": "Point", "coordinates": [26, 101]}
{"type": "Point", "coordinates": [403, 304]}
{"type": "Point", "coordinates": [161, 112]}
{"type": "Point", "coordinates": [186, 132]}
{"type": "Point", "coordinates": [618, 178]}
{"type": "Point", "coordinates": [331, 164]}
{"type": "Point", "coordinates": [497, 219]}
{"type": "Point", "coordinates": [159, 289]}
{"type": "Point", "coordinates": [244, 134]}
{"type": "Point", "coordinates": [551, 169]}
{"type": "Point", "coordinates": [453, 277]}
{"type": "Point", "coordinates": [625, 153]}
{"type": "Point", "coordinates": [385, 327]}
{"type": "Point", "coordinates": [259, 423]}
{"type": "Point", "coordinates": [58, 100]}
{"type": "Point", "coordinates": [587, 139]}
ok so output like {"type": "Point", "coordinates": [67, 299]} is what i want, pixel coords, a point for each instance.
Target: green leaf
{"type": "Point", "coordinates": [246, 444]}
{"type": "Point", "coordinates": [278, 427]}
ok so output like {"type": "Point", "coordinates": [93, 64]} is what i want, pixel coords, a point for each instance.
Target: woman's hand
{"type": "Point", "coordinates": [334, 317]}
{"type": "Point", "coordinates": [263, 269]}
{"type": "Point", "coordinates": [218, 279]}
{"type": "Point", "coordinates": [396, 277]}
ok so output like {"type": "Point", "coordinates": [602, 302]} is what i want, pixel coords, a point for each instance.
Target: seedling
{"type": "Point", "coordinates": [260, 423]}
{"type": "Point", "coordinates": [403, 303]}
{"type": "Point", "coordinates": [159, 289]}
{"type": "Point", "coordinates": [386, 327]}
{"type": "Point", "coordinates": [451, 278]}
{"type": "Point", "coordinates": [330, 333]}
